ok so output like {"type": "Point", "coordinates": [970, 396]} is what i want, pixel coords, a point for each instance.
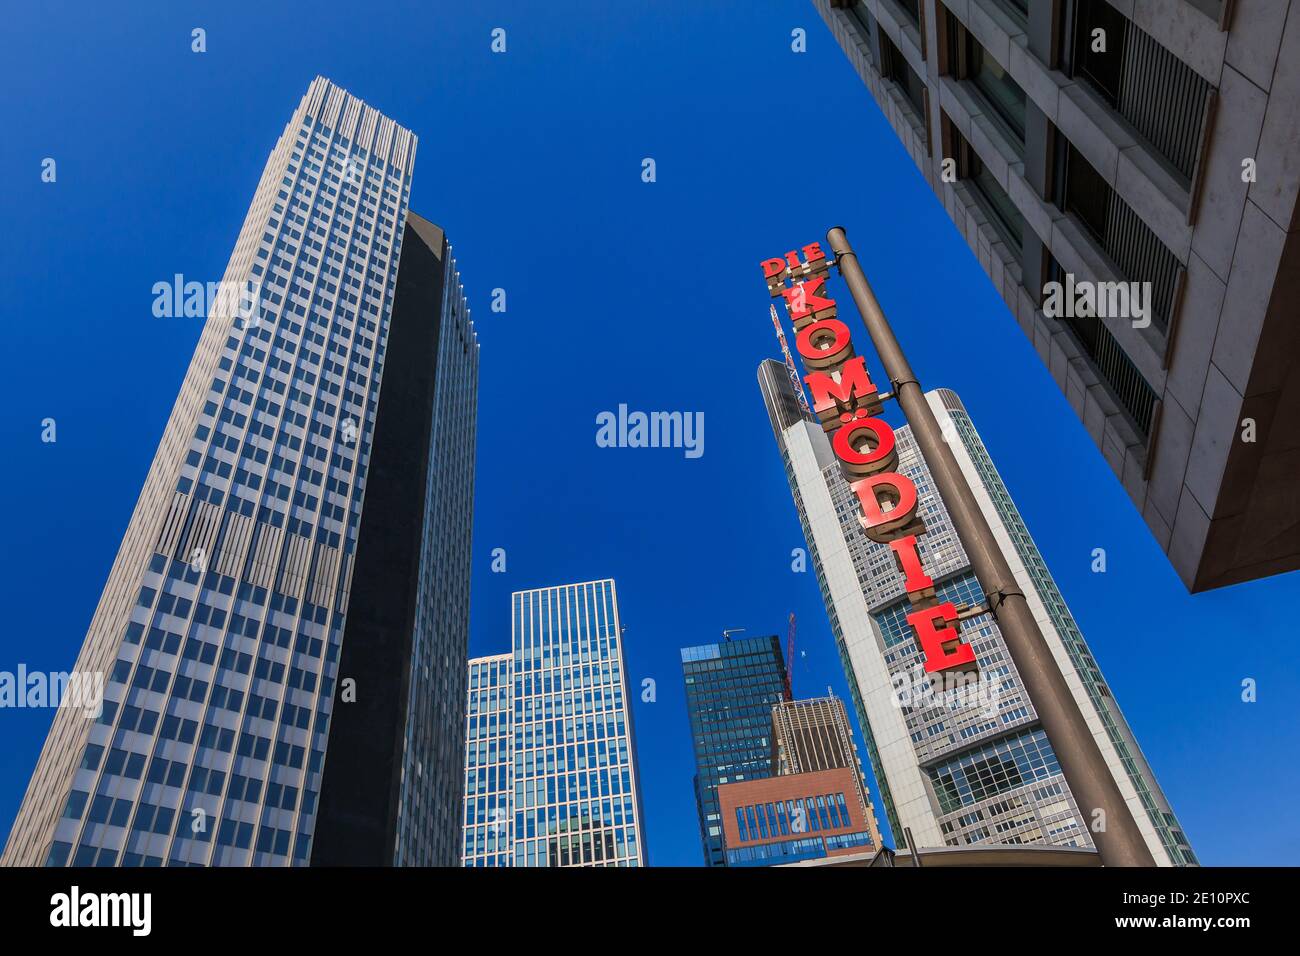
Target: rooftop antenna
{"type": "Point", "coordinates": [795, 381]}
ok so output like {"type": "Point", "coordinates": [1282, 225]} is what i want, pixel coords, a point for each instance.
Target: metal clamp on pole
{"type": "Point", "coordinates": [997, 598]}
{"type": "Point", "coordinates": [1120, 842]}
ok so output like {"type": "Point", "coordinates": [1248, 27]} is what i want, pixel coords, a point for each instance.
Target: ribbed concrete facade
{"type": "Point", "coordinates": [221, 626]}
{"type": "Point", "coordinates": [811, 735]}
{"type": "Point", "coordinates": [1149, 142]}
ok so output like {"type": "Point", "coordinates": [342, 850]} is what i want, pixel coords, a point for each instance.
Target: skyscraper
{"type": "Point", "coordinates": [1112, 148]}
{"type": "Point", "coordinates": [550, 759]}
{"type": "Point", "coordinates": [731, 687]}
{"type": "Point", "coordinates": [284, 628]}
{"type": "Point", "coordinates": [956, 765]}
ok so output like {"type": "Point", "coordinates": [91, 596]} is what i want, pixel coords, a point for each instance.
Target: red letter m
{"type": "Point", "coordinates": [854, 390]}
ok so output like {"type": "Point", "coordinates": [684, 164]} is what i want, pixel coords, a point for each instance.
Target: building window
{"type": "Point", "coordinates": [1126, 384]}
{"type": "Point", "coordinates": [1136, 252]}
{"type": "Point", "coordinates": [866, 26]}
{"type": "Point", "coordinates": [968, 60]}
{"type": "Point", "coordinates": [1160, 97]}
{"type": "Point", "coordinates": [1002, 212]}
{"type": "Point", "coordinates": [998, 767]}
{"type": "Point", "coordinates": [895, 67]}
{"type": "Point", "coordinates": [912, 8]}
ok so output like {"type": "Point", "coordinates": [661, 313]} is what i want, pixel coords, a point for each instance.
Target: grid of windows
{"type": "Point", "coordinates": [430, 803]}
{"type": "Point", "coordinates": [488, 736]}
{"type": "Point", "coordinates": [994, 769]}
{"type": "Point", "coordinates": [944, 724]}
{"type": "Point", "coordinates": [1099, 695]}
{"type": "Point", "coordinates": [962, 589]}
{"type": "Point", "coordinates": [1019, 795]}
{"type": "Point", "coordinates": [1160, 99]}
{"type": "Point", "coordinates": [795, 849]}
{"type": "Point", "coordinates": [944, 727]}
{"type": "Point", "coordinates": [571, 792]}
{"type": "Point", "coordinates": [730, 690]}
{"type": "Point", "coordinates": [813, 735]}
{"type": "Point", "coordinates": [211, 742]}
{"type": "Point", "coordinates": [764, 821]}
{"type": "Point", "coordinates": [777, 396]}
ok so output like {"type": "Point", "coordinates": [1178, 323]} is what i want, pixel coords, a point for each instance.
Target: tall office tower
{"type": "Point", "coordinates": [809, 736]}
{"type": "Point", "coordinates": [550, 760]}
{"type": "Point", "coordinates": [488, 820]}
{"type": "Point", "coordinates": [956, 765]}
{"type": "Point", "coordinates": [284, 628]}
{"type": "Point", "coordinates": [1097, 144]}
{"type": "Point", "coordinates": [730, 690]}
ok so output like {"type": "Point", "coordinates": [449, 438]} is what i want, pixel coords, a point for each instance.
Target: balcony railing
{"type": "Point", "coordinates": [1161, 97]}
{"type": "Point", "coordinates": [1111, 364]}
{"type": "Point", "coordinates": [1136, 251]}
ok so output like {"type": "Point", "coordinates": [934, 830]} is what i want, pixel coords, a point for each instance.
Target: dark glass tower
{"type": "Point", "coordinates": [730, 690]}
{"type": "Point", "coordinates": [283, 634]}
{"type": "Point", "coordinates": [407, 631]}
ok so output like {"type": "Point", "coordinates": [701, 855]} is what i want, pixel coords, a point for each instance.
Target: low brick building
{"type": "Point", "coordinates": [794, 817]}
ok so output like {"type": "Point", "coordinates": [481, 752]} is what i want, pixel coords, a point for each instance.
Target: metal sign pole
{"type": "Point", "coordinates": [1119, 842]}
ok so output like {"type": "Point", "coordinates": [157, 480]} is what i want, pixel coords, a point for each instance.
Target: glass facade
{"type": "Point", "coordinates": [731, 688]}
{"type": "Point", "coordinates": [1099, 698]}
{"type": "Point", "coordinates": [429, 807]}
{"type": "Point", "coordinates": [765, 820]}
{"type": "Point", "coordinates": [221, 626]}
{"type": "Point", "coordinates": [797, 848]}
{"type": "Point", "coordinates": [943, 725]}
{"type": "Point", "coordinates": [956, 767]}
{"type": "Point", "coordinates": [572, 795]}
{"type": "Point", "coordinates": [488, 788]}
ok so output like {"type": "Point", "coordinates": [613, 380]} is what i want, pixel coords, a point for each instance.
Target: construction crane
{"type": "Point", "coordinates": [795, 381]}
{"type": "Point", "coordinates": [789, 661]}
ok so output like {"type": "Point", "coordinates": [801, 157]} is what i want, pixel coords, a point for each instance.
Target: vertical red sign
{"type": "Point", "coordinates": [848, 405]}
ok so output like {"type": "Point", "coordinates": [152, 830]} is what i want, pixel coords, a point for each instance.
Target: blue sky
{"type": "Point", "coordinates": [618, 291]}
